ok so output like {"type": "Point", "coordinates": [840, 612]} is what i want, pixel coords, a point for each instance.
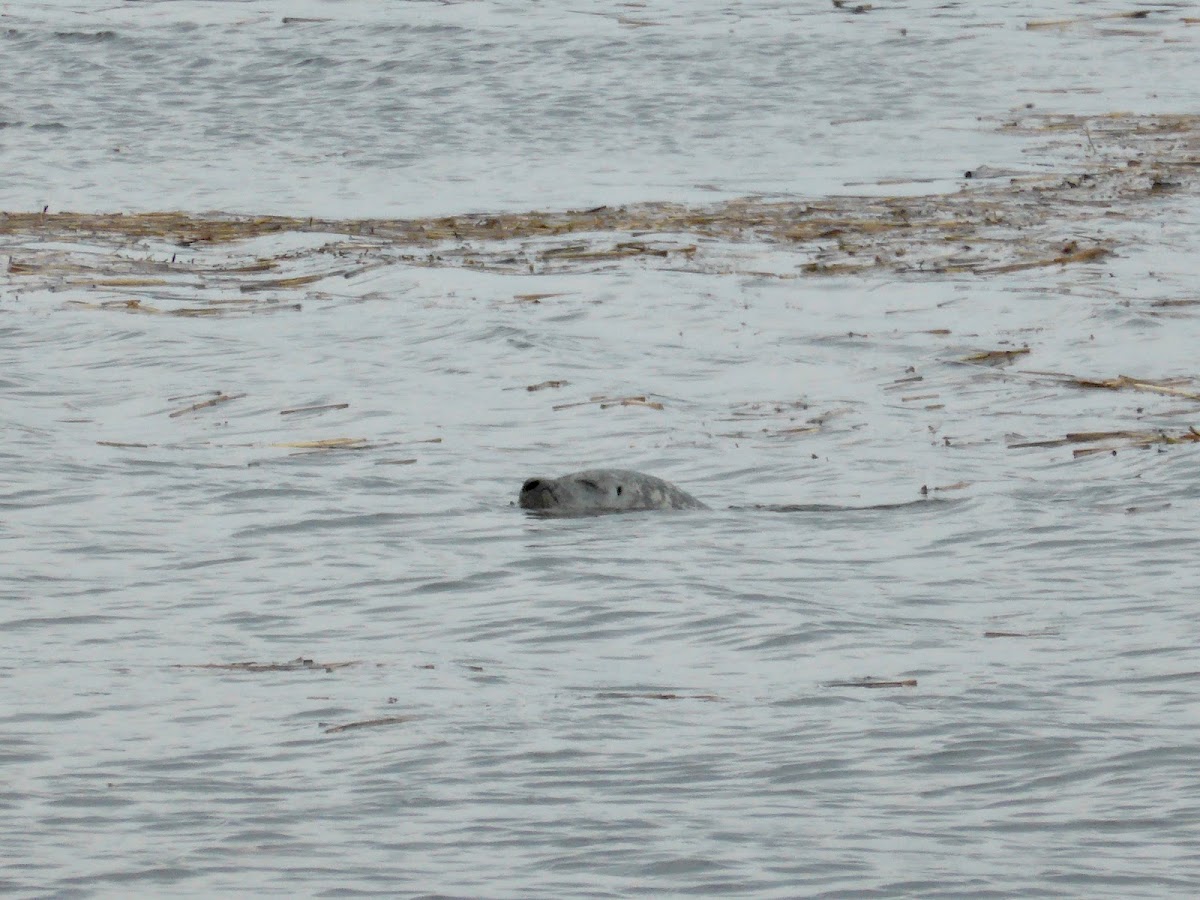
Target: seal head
{"type": "Point", "coordinates": [598, 491]}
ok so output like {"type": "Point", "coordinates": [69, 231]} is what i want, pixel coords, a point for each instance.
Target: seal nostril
{"type": "Point", "coordinates": [530, 485]}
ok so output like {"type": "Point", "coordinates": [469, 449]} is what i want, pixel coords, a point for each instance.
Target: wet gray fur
{"type": "Point", "coordinates": [599, 491]}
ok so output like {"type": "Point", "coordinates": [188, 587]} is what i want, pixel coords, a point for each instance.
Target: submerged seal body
{"type": "Point", "coordinates": [598, 491]}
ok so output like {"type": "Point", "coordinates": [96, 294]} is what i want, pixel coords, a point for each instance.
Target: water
{"type": "Point", "coordinates": [421, 107]}
{"type": "Point", "coordinates": [650, 704]}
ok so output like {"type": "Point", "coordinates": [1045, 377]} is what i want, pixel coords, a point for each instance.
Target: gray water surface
{"type": "Point", "coordinates": [636, 705]}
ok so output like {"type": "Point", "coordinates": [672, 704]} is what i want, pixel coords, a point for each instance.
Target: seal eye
{"type": "Point", "coordinates": [619, 489]}
{"type": "Point", "coordinates": [530, 485]}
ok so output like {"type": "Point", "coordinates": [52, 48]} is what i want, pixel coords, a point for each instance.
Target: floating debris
{"type": "Point", "coordinates": [299, 664]}
{"type": "Point", "coordinates": [1138, 384]}
{"type": "Point", "coordinates": [623, 695]}
{"type": "Point", "coordinates": [296, 281]}
{"type": "Point", "coordinates": [1086, 20]}
{"type": "Point", "coordinates": [205, 404]}
{"type": "Point", "coordinates": [633, 401]}
{"type": "Point", "coordinates": [607, 402]}
{"type": "Point", "coordinates": [764, 408]}
{"type": "Point", "coordinates": [787, 410]}
{"type": "Point", "coordinates": [988, 227]}
{"type": "Point", "coordinates": [541, 386]}
{"type": "Point", "coordinates": [957, 486]}
{"type": "Point", "coordinates": [1048, 632]}
{"type": "Point", "coordinates": [1135, 510]}
{"type": "Point", "coordinates": [1176, 303]}
{"type": "Point", "coordinates": [858, 8]}
{"type": "Point", "coordinates": [995, 357]}
{"type": "Point", "coordinates": [327, 444]}
{"type": "Point", "coordinates": [309, 409]}
{"type": "Point", "coordinates": [794, 430]}
{"type": "Point", "coordinates": [536, 298]}
{"type": "Point", "coordinates": [1124, 439]}
{"type": "Point", "coordinates": [137, 306]}
{"type": "Point", "coordinates": [369, 723]}
{"type": "Point", "coordinates": [874, 683]}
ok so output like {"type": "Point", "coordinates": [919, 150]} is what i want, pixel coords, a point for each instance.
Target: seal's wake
{"type": "Point", "coordinates": [598, 491]}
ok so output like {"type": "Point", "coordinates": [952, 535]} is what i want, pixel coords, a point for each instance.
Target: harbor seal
{"type": "Point", "coordinates": [597, 491]}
